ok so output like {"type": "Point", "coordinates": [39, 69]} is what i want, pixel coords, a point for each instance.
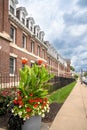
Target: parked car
{"type": "Point", "coordinates": [85, 81]}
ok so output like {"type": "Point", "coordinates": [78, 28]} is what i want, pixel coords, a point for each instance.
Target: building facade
{"type": "Point", "coordinates": [21, 38]}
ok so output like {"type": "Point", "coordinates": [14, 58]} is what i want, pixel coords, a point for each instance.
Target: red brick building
{"type": "Point", "coordinates": [21, 38]}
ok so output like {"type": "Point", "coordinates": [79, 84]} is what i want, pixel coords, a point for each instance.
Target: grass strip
{"type": "Point", "coordinates": [60, 95]}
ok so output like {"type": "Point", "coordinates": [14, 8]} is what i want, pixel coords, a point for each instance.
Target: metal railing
{"type": "Point", "coordinates": [9, 81]}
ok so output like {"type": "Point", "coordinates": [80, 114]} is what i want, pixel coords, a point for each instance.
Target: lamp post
{"type": "Point", "coordinates": [81, 76]}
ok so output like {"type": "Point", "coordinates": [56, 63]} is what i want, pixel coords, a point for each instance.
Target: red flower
{"type": "Point", "coordinates": [19, 98]}
{"type": "Point", "coordinates": [19, 92]}
{"type": "Point", "coordinates": [31, 94]}
{"type": "Point", "coordinates": [20, 103]}
{"type": "Point", "coordinates": [24, 61]}
{"type": "Point", "coordinates": [45, 99]}
{"type": "Point", "coordinates": [28, 109]}
{"type": "Point", "coordinates": [35, 105]}
{"type": "Point", "coordinates": [40, 100]}
{"type": "Point", "coordinates": [40, 62]}
{"type": "Point", "coordinates": [15, 102]}
{"type": "Point", "coordinates": [31, 100]}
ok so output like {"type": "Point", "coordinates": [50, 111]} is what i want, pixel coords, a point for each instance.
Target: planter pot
{"type": "Point", "coordinates": [33, 123]}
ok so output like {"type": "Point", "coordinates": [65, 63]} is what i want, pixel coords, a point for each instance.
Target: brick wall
{"type": "Point", "coordinates": [4, 56]}
{"type": "Point", "coordinates": [4, 21]}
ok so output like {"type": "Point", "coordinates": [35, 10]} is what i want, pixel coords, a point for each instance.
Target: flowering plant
{"type": "Point", "coordinates": [6, 94]}
{"type": "Point", "coordinates": [31, 96]}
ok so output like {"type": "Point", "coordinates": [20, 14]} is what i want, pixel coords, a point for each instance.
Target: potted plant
{"type": "Point", "coordinates": [31, 100]}
{"type": "Point", "coordinates": [6, 94]}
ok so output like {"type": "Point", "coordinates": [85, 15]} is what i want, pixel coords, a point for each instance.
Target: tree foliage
{"type": "Point", "coordinates": [85, 73]}
{"type": "Point", "coordinates": [72, 68]}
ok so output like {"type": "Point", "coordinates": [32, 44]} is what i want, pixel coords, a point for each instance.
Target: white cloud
{"type": "Point", "coordinates": [78, 30]}
{"type": "Point", "coordinates": [64, 24]}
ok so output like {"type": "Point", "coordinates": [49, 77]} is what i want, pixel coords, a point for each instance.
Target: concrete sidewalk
{"type": "Point", "coordinates": [73, 114]}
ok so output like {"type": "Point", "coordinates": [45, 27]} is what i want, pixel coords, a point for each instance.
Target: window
{"type": "Point", "coordinates": [32, 64]}
{"type": "Point", "coordinates": [23, 66]}
{"type": "Point", "coordinates": [12, 33]}
{"type": "Point", "coordinates": [24, 41]}
{"type": "Point", "coordinates": [18, 14]}
{"type": "Point", "coordinates": [32, 47]}
{"type": "Point", "coordinates": [31, 26]}
{"type": "Point", "coordinates": [23, 17]}
{"type": "Point", "coordinates": [34, 30]}
{"type": "Point", "coordinates": [23, 20]}
{"type": "Point", "coordinates": [37, 34]}
{"type": "Point", "coordinates": [38, 50]}
{"type": "Point", "coordinates": [27, 23]}
{"type": "Point", "coordinates": [11, 9]}
{"type": "Point", "coordinates": [43, 53]}
{"type": "Point", "coordinates": [12, 6]}
{"type": "Point", "coordinates": [12, 65]}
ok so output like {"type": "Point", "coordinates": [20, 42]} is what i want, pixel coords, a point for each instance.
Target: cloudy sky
{"type": "Point", "coordinates": [65, 25]}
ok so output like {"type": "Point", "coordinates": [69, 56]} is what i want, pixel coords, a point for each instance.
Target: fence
{"type": "Point", "coordinates": [9, 81]}
{"type": "Point", "coordinates": [59, 82]}
{"type": "Point", "coordinates": [13, 81]}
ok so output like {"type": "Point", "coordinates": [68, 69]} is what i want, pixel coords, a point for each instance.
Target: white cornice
{"type": "Point", "coordinates": [13, 55]}
{"type": "Point", "coordinates": [25, 51]}
{"type": "Point", "coordinates": [5, 36]}
{"type": "Point", "coordinates": [21, 25]}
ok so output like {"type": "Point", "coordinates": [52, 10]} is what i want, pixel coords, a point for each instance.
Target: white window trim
{"type": "Point", "coordinates": [13, 55]}
{"type": "Point", "coordinates": [25, 40]}
{"type": "Point", "coordinates": [32, 61]}
{"type": "Point", "coordinates": [13, 40]}
{"type": "Point", "coordinates": [13, 24]}
{"type": "Point", "coordinates": [13, 68]}
{"type": "Point", "coordinates": [43, 53]}
{"type": "Point", "coordinates": [32, 44]}
{"type": "Point", "coordinates": [38, 50]}
{"type": "Point", "coordinates": [14, 6]}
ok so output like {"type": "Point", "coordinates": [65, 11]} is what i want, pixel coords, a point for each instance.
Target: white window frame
{"type": "Point", "coordinates": [43, 53]}
{"type": "Point", "coordinates": [24, 41]}
{"type": "Point", "coordinates": [30, 26]}
{"type": "Point", "coordinates": [13, 65]}
{"type": "Point", "coordinates": [38, 50]}
{"type": "Point", "coordinates": [32, 46]}
{"type": "Point", "coordinates": [13, 5]}
{"type": "Point", "coordinates": [23, 18]}
{"type": "Point", "coordinates": [12, 27]}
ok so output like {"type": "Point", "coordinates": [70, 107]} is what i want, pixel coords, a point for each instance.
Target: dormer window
{"type": "Point", "coordinates": [21, 14]}
{"type": "Point", "coordinates": [23, 18]}
{"type": "Point", "coordinates": [12, 6]}
{"type": "Point", "coordinates": [30, 24]}
{"type": "Point", "coordinates": [11, 9]}
{"type": "Point", "coordinates": [41, 36]}
{"type": "Point", "coordinates": [37, 30]}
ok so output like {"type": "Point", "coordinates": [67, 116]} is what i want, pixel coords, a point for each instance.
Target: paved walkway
{"type": "Point", "coordinates": [73, 114]}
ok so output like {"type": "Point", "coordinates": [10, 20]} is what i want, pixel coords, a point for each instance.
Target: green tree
{"type": "Point", "coordinates": [72, 68]}
{"type": "Point", "coordinates": [85, 73]}
{"type": "Point", "coordinates": [76, 76]}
